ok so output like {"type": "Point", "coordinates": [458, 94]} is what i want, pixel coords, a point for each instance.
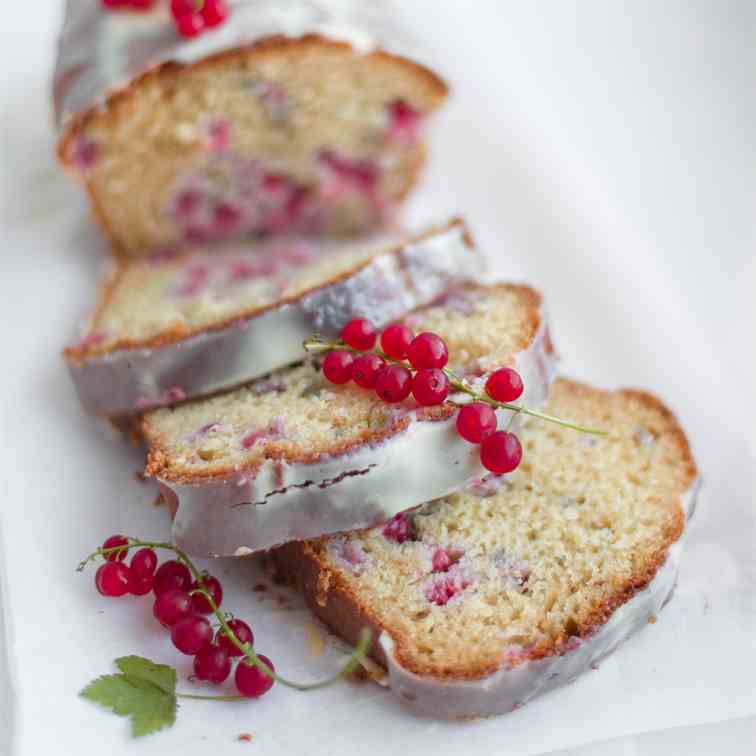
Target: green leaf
{"type": "Point", "coordinates": [145, 693]}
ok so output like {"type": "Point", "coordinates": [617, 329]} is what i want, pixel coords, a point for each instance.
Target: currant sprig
{"type": "Point", "coordinates": [183, 595]}
{"type": "Point", "coordinates": [190, 17]}
{"type": "Point", "coordinates": [407, 364]}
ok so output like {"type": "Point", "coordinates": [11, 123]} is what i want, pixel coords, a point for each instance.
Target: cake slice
{"type": "Point", "coordinates": [291, 456]}
{"type": "Point", "coordinates": [173, 327]}
{"type": "Point", "coordinates": [292, 116]}
{"type": "Point", "coordinates": [516, 586]}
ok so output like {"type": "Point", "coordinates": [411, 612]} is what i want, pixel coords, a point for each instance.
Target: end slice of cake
{"type": "Point", "coordinates": [175, 327]}
{"type": "Point", "coordinates": [516, 586]}
{"type": "Point", "coordinates": [291, 456]}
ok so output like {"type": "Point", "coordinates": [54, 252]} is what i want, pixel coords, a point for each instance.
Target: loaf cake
{"type": "Point", "coordinates": [172, 327]}
{"type": "Point", "coordinates": [293, 116]}
{"type": "Point", "coordinates": [513, 587]}
{"type": "Point", "coordinates": [291, 456]}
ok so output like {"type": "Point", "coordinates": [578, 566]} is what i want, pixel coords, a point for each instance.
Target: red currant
{"type": "Point", "coordinates": [501, 452]}
{"type": "Point", "coordinates": [430, 386]}
{"type": "Point", "coordinates": [191, 634]}
{"type": "Point", "coordinates": [182, 8]}
{"type": "Point", "coordinates": [214, 12]}
{"type": "Point", "coordinates": [172, 606]}
{"type": "Point", "coordinates": [476, 421]}
{"type": "Point", "coordinates": [395, 340]}
{"type": "Point", "coordinates": [359, 333]}
{"type": "Point", "coordinates": [172, 574]}
{"type": "Point", "coordinates": [338, 366]}
{"type": "Point", "coordinates": [140, 585]}
{"type": "Point", "coordinates": [212, 585]}
{"type": "Point", "coordinates": [428, 350]}
{"type": "Point", "coordinates": [504, 385]}
{"type": "Point", "coordinates": [113, 542]}
{"type": "Point", "coordinates": [251, 681]}
{"type": "Point", "coordinates": [190, 25]}
{"type": "Point", "coordinates": [365, 369]}
{"type": "Point", "coordinates": [114, 3]}
{"type": "Point", "coordinates": [393, 383]}
{"type": "Point", "coordinates": [143, 563]}
{"type": "Point", "coordinates": [212, 663]}
{"type": "Point", "coordinates": [241, 630]}
{"type": "Point", "coordinates": [142, 4]}
{"type": "Point", "coordinates": [112, 579]}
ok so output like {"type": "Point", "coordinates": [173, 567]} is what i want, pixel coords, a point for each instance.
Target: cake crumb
{"type": "Point", "coordinates": [140, 476]}
{"type": "Point", "coordinates": [315, 640]}
{"type": "Point", "coordinates": [245, 737]}
{"type": "Point", "coordinates": [651, 619]}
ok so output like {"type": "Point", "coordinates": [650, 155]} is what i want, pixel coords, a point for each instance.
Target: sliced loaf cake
{"type": "Point", "coordinates": [291, 456]}
{"type": "Point", "coordinates": [173, 327]}
{"type": "Point", "coordinates": [482, 600]}
{"type": "Point", "coordinates": [292, 116]}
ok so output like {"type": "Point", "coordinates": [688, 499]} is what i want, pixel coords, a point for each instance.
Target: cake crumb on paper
{"type": "Point", "coordinates": [245, 737]}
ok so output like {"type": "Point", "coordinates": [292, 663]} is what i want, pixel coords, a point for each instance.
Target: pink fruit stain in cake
{"type": "Point", "coordinates": [83, 153]}
{"type": "Point", "coordinates": [514, 572]}
{"type": "Point", "coordinates": [219, 135]}
{"type": "Point", "coordinates": [226, 219]}
{"type": "Point", "coordinates": [350, 553]}
{"type": "Point", "coordinates": [187, 203]}
{"type": "Point", "coordinates": [173, 394]}
{"type": "Point", "coordinates": [403, 122]}
{"type": "Point", "coordinates": [487, 486]}
{"type": "Point", "coordinates": [204, 431]}
{"type": "Point", "coordinates": [443, 587]}
{"type": "Point", "coordinates": [274, 99]}
{"type": "Point", "coordinates": [93, 338]}
{"type": "Point", "coordinates": [270, 386]}
{"type": "Point", "coordinates": [162, 256]}
{"type": "Point", "coordinates": [441, 560]}
{"type": "Point", "coordinates": [195, 279]}
{"type": "Point", "coordinates": [273, 431]}
{"type": "Point", "coordinates": [342, 175]}
{"type": "Point", "coordinates": [399, 528]}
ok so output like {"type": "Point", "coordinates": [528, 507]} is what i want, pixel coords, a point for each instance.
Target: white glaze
{"type": "Point", "coordinates": [101, 52]}
{"type": "Point", "coordinates": [405, 277]}
{"type": "Point", "coordinates": [285, 502]}
{"type": "Point", "coordinates": [509, 688]}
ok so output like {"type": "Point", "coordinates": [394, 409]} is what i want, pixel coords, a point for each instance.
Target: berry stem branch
{"type": "Point", "coordinates": [358, 654]}
{"type": "Point", "coordinates": [316, 345]}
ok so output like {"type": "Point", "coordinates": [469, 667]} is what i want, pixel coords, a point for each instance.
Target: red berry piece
{"type": "Point", "coordinates": [190, 635]}
{"type": "Point", "coordinates": [501, 452]}
{"type": "Point", "coordinates": [476, 421]}
{"type": "Point", "coordinates": [393, 383]}
{"type": "Point", "coordinates": [172, 606]}
{"type": "Point", "coordinates": [113, 542]}
{"type": "Point", "coordinates": [112, 579]}
{"type": "Point", "coordinates": [140, 585]}
{"type": "Point", "coordinates": [214, 12]}
{"type": "Point", "coordinates": [142, 4]}
{"type": "Point", "coordinates": [212, 663]}
{"type": "Point", "coordinates": [430, 387]}
{"type": "Point", "coordinates": [338, 366]}
{"type": "Point", "coordinates": [143, 563]}
{"type": "Point", "coordinates": [212, 585]}
{"type": "Point", "coordinates": [365, 370]}
{"type": "Point", "coordinates": [172, 574]}
{"type": "Point", "coordinates": [399, 528]}
{"type": "Point", "coordinates": [395, 340]}
{"type": "Point", "coordinates": [114, 3]}
{"type": "Point", "coordinates": [428, 351]}
{"type": "Point", "coordinates": [251, 681]}
{"type": "Point", "coordinates": [190, 25]}
{"type": "Point", "coordinates": [241, 630]}
{"type": "Point", "coordinates": [504, 385]}
{"type": "Point", "coordinates": [359, 333]}
{"type": "Point", "coordinates": [182, 8]}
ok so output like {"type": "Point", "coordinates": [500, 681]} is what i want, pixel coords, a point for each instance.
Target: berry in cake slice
{"type": "Point", "coordinates": [295, 454]}
{"type": "Point", "coordinates": [486, 598]}
{"type": "Point", "coordinates": [176, 326]}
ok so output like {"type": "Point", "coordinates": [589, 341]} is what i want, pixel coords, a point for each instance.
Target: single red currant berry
{"type": "Point", "coordinates": [504, 385]}
{"type": "Point", "coordinates": [212, 663]}
{"type": "Point", "coordinates": [476, 421]}
{"type": "Point", "coordinates": [338, 366]}
{"type": "Point", "coordinates": [172, 574]}
{"type": "Point", "coordinates": [251, 681]}
{"type": "Point", "coordinates": [144, 562]}
{"type": "Point", "coordinates": [182, 8]}
{"type": "Point", "coordinates": [212, 585]}
{"type": "Point", "coordinates": [428, 350]}
{"type": "Point", "coordinates": [142, 4]}
{"type": "Point", "coordinates": [365, 369]}
{"type": "Point", "coordinates": [190, 25]}
{"type": "Point", "coordinates": [501, 452]}
{"type": "Point", "coordinates": [113, 542]}
{"type": "Point", "coordinates": [190, 635]}
{"type": "Point", "coordinates": [112, 579]}
{"type": "Point", "coordinates": [393, 383]}
{"type": "Point", "coordinates": [395, 340]}
{"type": "Point", "coordinates": [214, 12]}
{"type": "Point", "coordinates": [359, 333]}
{"type": "Point", "coordinates": [114, 3]}
{"type": "Point", "coordinates": [172, 606]}
{"type": "Point", "coordinates": [430, 386]}
{"type": "Point", "coordinates": [241, 630]}
{"type": "Point", "coordinates": [140, 585]}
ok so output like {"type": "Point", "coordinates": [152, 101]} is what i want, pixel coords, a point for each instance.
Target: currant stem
{"type": "Point", "coordinates": [358, 654]}
{"type": "Point", "coordinates": [198, 697]}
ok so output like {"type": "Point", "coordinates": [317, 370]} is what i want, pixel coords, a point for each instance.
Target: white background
{"type": "Point", "coordinates": [602, 150]}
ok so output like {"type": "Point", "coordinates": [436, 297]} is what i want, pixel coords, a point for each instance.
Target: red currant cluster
{"type": "Point", "coordinates": [191, 17]}
{"type": "Point", "coordinates": [181, 604]}
{"type": "Point", "coordinates": [385, 371]}
{"type": "Point", "coordinates": [140, 5]}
